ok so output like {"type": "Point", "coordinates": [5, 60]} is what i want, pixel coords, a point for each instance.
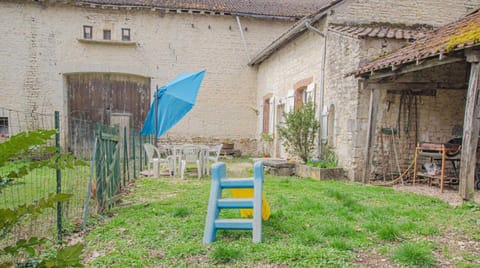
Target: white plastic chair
{"type": "Point", "coordinates": [212, 155]}
{"type": "Point", "coordinates": [214, 152]}
{"type": "Point", "coordinates": [190, 154]}
{"type": "Point", "coordinates": [153, 154]}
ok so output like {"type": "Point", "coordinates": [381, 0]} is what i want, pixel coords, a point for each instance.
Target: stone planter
{"type": "Point", "coordinates": [277, 166]}
{"type": "Point", "coordinates": [305, 171]}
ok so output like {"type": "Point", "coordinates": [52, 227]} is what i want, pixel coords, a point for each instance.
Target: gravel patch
{"type": "Point", "coordinates": [449, 195]}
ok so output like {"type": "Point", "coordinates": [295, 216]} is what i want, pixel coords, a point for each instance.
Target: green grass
{"type": "Point", "coordinates": [313, 223]}
{"type": "Point", "coordinates": [36, 185]}
{"type": "Point", "coordinates": [388, 232]}
{"type": "Point", "coordinates": [414, 254]}
{"type": "Point", "coordinates": [225, 255]}
{"type": "Point", "coordinates": [42, 181]}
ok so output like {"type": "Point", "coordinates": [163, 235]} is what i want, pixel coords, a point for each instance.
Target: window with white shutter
{"type": "Point", "coordinates": [271, 116]}
{"type": "Point", "coordinates": [310, 93]}
{"type": "Point", "coordinates": [267, 110]}
{"type": "Point", "coordinates": [290, 101]}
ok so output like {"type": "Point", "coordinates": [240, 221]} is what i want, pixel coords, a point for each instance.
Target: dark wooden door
{"type": "Point", "coordinates": [94, 97]}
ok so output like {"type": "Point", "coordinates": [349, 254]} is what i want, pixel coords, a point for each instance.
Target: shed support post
{"type": "Point", "coordinates": [370, 133]}
{"type": "Point", "coordinates": [471, 127]}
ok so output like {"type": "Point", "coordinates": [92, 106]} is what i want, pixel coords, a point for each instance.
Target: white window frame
{"type": "Point", "coordinates": [324, 124]}
{"type": "Point", "coordinates": [310, 93]}
{"type": "Point", "coordinates": [271, 116]}
{"type": "Point", "coordinates": [290, 101]}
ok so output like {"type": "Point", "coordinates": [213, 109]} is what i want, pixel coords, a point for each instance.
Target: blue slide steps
{"type": "Point", "coordinates": [216, 202]}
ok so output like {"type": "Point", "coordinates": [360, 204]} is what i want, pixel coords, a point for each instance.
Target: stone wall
{"type": "Point", "coordinates": [40, 45]}
{"type": "Point", "coordinates": [341, 98]}
{"type": "Point", "coordinates": [344, 97]}
{"type": "Point", "coordinates": [431, 12]}
{"type": "Point", "coordinates": [439, 118]}
{"type": "Point", "coordinates": [298, 60]}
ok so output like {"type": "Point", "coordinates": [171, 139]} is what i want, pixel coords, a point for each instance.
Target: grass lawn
{"type": "Point", "coordinates": [313, 223]}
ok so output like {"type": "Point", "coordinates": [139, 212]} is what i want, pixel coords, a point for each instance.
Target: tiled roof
{"type": "Point", "coordinates": [377, 31]}
{"type": "Point", "coordinates": [275, 8]}
{"type": "Point", "coordinates": [296, 29]}
{"type": "Point", "coordinates": [454, 36]}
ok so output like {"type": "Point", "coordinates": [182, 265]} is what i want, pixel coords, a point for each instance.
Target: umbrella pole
{"type": "Point", "coordinates": [156, 116]}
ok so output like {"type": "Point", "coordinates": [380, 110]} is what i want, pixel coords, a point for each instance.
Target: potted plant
{"type": "Point", "coordinates": [298, 134]}
{"type": "Point", "coordinates": [324, 168]}
{"type": "Point", "coordinates": [267, 144]}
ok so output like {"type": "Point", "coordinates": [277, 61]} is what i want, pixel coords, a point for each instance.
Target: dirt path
{"type": "Point", "coordinates": [449, 195]}
{"type": "Point", "coordinates": [238, 169]}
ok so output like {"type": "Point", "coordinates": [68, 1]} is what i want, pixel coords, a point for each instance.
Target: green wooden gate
{"type": "Point", "coordinates": [107, 165]}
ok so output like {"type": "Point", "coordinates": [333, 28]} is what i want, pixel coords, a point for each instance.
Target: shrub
{"type": "Point", "coordinates": [299, 130]}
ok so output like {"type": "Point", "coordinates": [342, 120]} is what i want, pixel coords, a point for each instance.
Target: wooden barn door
{"type": "Point", "coordinates": [97, 97]}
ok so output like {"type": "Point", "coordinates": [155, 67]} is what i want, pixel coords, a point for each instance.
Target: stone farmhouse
{"type": "Point", "coordinates": [311, 60]}
{"type": "Point", "coordinates": [101, 60]}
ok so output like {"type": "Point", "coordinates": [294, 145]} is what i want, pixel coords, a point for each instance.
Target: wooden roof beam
{"type": "Point", "coordinates": [416, 85]}
{"type": "Point", "coordinates": [408, 68]}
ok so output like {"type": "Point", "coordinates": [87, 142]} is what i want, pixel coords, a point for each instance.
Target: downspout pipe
{"type": "Point", "coordinates": [321, 86]}
{"type": "Point", "coordinates": [244, 41]}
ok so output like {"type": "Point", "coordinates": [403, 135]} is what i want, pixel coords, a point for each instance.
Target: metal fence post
{"type": "Point", "coordinates": [125, 156]}
{"type": "Point", "coordinates": [133, 155]}
{"type": "Point", "coordinates": [59, 178]}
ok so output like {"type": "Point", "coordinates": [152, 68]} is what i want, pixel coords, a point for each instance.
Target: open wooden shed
{"type": "Point", "coordinates": [426, 93]}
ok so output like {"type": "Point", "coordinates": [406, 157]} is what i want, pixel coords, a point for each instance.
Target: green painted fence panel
{"type": "Point", "coordinates": [107, 165]}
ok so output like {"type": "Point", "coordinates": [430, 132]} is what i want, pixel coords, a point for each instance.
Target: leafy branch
{"type": "Point", "coordinates": [16, 162]}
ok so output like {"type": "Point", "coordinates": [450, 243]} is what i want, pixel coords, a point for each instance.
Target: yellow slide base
{"type": "Point", "coordinates": [248, 212]}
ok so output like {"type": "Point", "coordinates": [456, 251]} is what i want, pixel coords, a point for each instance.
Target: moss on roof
{"type": "Point", "coordinates": [468, 35]}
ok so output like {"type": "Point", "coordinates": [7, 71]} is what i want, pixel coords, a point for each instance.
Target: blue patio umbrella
{"type": "Point", "coordinates": [172, 102]}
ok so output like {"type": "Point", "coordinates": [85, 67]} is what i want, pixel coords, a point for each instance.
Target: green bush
{"type": "Point", "coordinates": [299, 130]}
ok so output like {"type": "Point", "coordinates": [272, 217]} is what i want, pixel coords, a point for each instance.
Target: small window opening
{"type": "Point", "coordinates": [107, 35]}
{"type": "Point", "coordinates": [3, 127]}
{"type": "Point", "coordinates": [125, 34]}
{"type": "Point", "coordinates": [87, 32]}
